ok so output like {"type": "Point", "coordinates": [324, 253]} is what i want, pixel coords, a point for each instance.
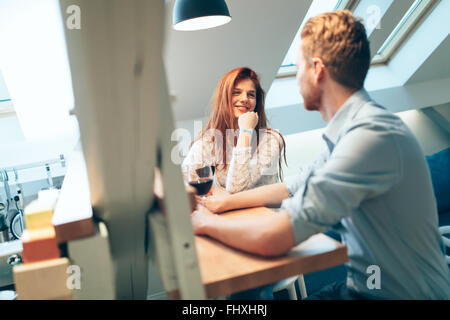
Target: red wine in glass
{"type": "Point", "coordinates": [202, 185]}
{"type": "Point", "coordinates": [201, 178]}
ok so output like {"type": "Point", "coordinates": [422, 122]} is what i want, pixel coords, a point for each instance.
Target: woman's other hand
{"type": "Point", "coordinates": [248, 120]}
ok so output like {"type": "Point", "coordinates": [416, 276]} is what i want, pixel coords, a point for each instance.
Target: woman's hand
{"type": "Point", "coordinates": [248, 120]}
{"type": "Point", "coordinates": [215, 203]}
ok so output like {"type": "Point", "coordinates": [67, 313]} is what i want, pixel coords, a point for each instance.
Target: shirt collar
{"type": "Point", "coordinates": [345, 114]}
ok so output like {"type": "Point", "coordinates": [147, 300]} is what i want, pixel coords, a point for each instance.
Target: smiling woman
{"type": "Point", "coordinates": [244, 97]}
{"type": "Point", "coordinates": [236, 139]}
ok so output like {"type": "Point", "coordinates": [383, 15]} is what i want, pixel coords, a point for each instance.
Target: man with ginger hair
{"type": "Point", "coordinates": [372, 184]}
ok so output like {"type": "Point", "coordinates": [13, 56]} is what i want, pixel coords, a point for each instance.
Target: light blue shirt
{"type": "Point", "coordinates": [373, 186]}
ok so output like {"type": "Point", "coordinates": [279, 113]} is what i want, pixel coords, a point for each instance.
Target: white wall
{"type": "Point", "coordinates": [301, 149]}
{"type": "Point", "coordinates": [10, 131]}
{"type": "Point", "coordinates": [444, 110]}
{"type": "Point", "coordinates": [15, 150]}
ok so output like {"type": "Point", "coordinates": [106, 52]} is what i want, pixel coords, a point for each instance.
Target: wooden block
{"type": "Point", "coordinates": [73, 217]}
{"type": "Point", "coordinates": [38, 215]}
{"type": "Point", "coordinates": [39, 244]}
{"type": "Point", "coordinates": [44, 280]}
{"type": "Point", "coordinates": [71, 230]}
{"type": "Point", "coordinates": [49, 197]}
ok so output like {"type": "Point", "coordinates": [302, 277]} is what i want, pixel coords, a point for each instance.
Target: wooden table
{"type": "Point", "coordinates": [225, 270]}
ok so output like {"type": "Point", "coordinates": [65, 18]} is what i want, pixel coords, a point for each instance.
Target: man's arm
{"type": "Point", "coordinates": [364, 165]}
{"type": "Point", "coordinates": [268, 236]}
{"type": "Point", "coordinates": [265, 196]}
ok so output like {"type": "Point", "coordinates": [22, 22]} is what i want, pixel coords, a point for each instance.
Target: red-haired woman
{"type": "Point", "coordinates": [236, 140]}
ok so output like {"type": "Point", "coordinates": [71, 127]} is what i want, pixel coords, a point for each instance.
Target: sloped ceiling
{"type": "Point", "coordinates": [437, 65]}
{"type": "Point", "coordinates": [258, 36]}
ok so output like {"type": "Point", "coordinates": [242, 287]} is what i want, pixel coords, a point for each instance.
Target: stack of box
{"type": "Point", "coordinates": [43, 274]}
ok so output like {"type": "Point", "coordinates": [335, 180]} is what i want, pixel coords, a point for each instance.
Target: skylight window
{"type": "Point", "coordinates": [400, 20]}
{"type": "Point", "coordinates": [317, 7]}
{"type": "Point", "coordinates": [35, 65]}
{"type": "Point", "coordinates": [412, 18]}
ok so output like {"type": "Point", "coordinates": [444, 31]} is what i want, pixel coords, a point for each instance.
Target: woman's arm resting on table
{"type": "Point", "coordinates": [267, 236]}
{"type": "Point", "coordinates": [269, 195]}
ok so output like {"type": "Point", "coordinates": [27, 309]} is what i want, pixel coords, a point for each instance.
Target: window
{"type": "Point", "coordinates": [35, 66]}
{"type": "Point", "coordinates": [399, 20]}
{"type": "Point", "coordinates": [317, 7]}
{"type": "Point", "coordinates": [412, 18]}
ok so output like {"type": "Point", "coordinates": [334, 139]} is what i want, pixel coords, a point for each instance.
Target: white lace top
{"type": "Point", "coordinates": [248, 168]}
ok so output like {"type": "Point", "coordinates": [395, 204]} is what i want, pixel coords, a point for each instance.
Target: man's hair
{"type": "Point", "coordinates": [340, 40]}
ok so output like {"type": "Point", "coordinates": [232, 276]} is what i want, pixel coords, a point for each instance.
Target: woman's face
{"type": "Point", "coordinates": [243, 97]}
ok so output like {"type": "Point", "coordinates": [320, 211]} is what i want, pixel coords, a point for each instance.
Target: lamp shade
{"type": "Point", "coordinates": [189, 15]}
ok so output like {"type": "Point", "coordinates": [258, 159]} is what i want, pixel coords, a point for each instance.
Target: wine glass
{"type": "Point", "coordinates": [201, 178]}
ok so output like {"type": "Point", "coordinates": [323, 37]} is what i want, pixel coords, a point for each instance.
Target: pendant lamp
{"type": "Point", "coordinates": [189, 15]}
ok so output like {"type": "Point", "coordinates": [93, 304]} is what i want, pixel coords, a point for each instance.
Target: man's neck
{"type": "Point", "coordinates": [334, 96]}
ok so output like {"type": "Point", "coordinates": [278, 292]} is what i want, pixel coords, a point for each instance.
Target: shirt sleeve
{"type": "Point", "coordinates": [199, 153]}
{"type": "Point", "coordinates": [363, 165]}
{"type": "Point", "coordinates": [246, 169]}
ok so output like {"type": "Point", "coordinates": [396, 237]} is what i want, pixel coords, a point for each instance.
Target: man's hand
{"type": "Point", "coordinates": [200, 219]}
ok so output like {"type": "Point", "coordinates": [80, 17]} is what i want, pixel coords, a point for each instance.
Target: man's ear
{"type": "Point", "coordinates": [319, 69]}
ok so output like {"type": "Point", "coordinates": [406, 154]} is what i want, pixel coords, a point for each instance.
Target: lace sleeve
{"type": "Point", "coordinates": [199, 153]}
{"type": "Point", "coordinates": [247, 170]}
